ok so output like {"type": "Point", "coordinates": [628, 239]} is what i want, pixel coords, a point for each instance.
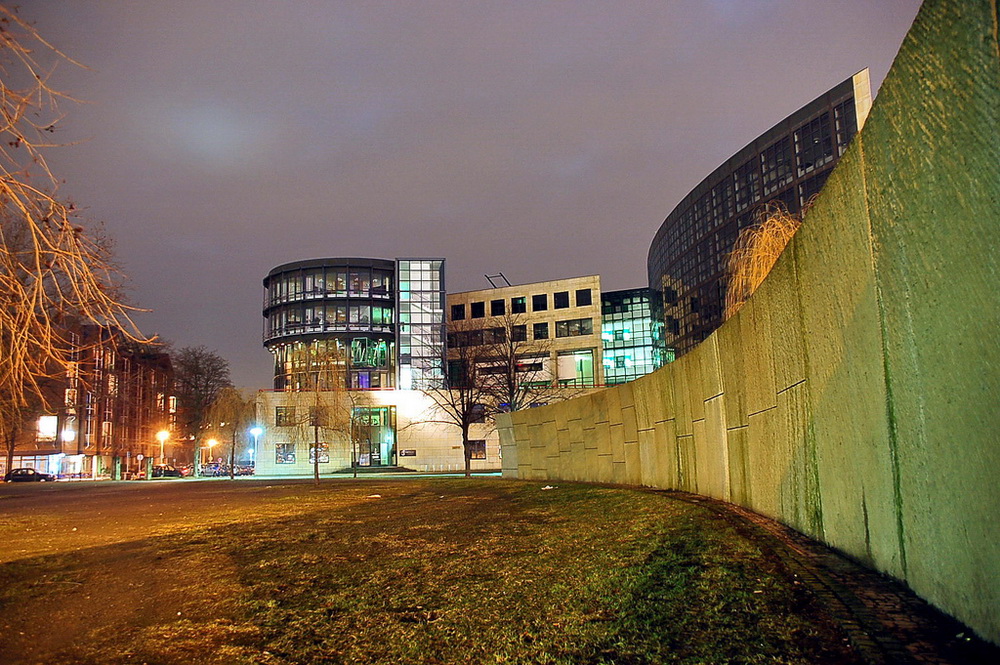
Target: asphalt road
{"type": "Point", "coordinates": [48, 518]}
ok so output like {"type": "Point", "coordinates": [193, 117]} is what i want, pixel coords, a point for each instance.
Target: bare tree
{"type": "Point", "coordinates": [465, 399]}
{"type": "Point", "coordinates": [516, 372]}
{"type": "Point", "coordinates": [329, 412]}
{"type": "Point", "coordinates": [54, 272]}
{"type": "Point", "coordinates": [200, 376]}
{"type": "Point", "coordinates": [756, 251]}
{"type": "Point", "coordinates": [230, 417]}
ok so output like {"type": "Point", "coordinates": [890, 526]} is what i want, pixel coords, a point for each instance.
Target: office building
{"type": "Point", "coordinates": [356, 344]}
{"type": "Point", "coordinates": [105, 412]}
{"type": "Point", "coordinates": [559, 322]}
{"type": "Point", "coordinates": [787, 164]}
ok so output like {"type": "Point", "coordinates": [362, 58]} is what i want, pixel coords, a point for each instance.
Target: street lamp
{"type": "Point", "coordinates": [162, 436]}
{"type": "Point", "coordinates": [255, 432]}
{"type": "Point", "coordinates": [211, 444]}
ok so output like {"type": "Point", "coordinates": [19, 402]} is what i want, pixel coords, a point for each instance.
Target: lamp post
{"type": "Point", "coordinates": [211, 444]}
{"type": "Point", "coordinates": [162, 436]}
{"type": "Point", "coordinates": [255, 432]}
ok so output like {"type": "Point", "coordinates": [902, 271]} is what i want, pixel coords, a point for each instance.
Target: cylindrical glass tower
{"type": "Point", "coordinates": [341, 310]}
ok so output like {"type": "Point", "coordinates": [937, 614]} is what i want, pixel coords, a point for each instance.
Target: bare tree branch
{"type": "Point", "coordinates": [55, 274]}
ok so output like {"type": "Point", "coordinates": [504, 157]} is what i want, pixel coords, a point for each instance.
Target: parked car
{"type": "Point", "coordinates": [167, 471]}
{"type": "Point", "coordinates": [27, 476]}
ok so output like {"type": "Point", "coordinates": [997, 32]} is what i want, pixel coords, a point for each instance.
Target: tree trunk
{"type": "Point", "coordinates": [9, 446]}
{"type": "Point", "coordinates": [467, 452]}
{"type": "Point", "coordinates": [232, 457]}
{"type": "Point", "coordinates": [316, 453]}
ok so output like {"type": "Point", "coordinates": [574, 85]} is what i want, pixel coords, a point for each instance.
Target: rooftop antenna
{"type": "Point", "coordinates": [499, 275]}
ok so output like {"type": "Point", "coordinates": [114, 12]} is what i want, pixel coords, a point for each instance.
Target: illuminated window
{"type": "Point", "coordinates": [47, 428]}
{"type": "Point", "coordinates": [518, 305]}
{"type": "Point", "coordinates": [324, 453]}
{"type": "Point", "coordinates": [284, 416]}
{"type": "Point", "coordinates": [574, 327]}
{"type": "Point", "coordinates": [284, 453]}
{"type": "Point", "coordinates": [477, 449]}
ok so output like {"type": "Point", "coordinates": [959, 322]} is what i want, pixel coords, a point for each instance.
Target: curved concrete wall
{"type": "Point", "coordinates": [855, 396]}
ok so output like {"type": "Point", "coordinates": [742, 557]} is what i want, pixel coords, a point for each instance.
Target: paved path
{"type": "Point", "coordinates": [885, 621]}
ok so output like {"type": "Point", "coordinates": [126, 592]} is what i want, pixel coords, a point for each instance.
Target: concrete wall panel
{"type": "Point", "coordinates": [855, 396]}
{"type": "Point", "coordinates": [935, 242]}
{"type": "Point", "coordinates": [788, 337]}
{"type": "Point", "coordinates": [730, 345]}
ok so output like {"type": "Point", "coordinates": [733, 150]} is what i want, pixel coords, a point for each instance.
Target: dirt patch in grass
{"type": "Point", "coordinates": [434, 571]}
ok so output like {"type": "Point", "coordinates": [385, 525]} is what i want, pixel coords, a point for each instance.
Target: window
{"type": "Point", "coordinates": [478, 310]}
{"type": "Point", "coordinates": [746, 183]}
{"type": "Point", "coordinates": [776, 163]}
{"type": "Point", "coordinates": [560, 299]}
{"type": "Point", "coordinates": [284, 416]}
{"type": "Point", "coordinates": [814, 144]}
{"type": "Point", "coordinates": [457, 312]}
{"type": "Point", "coordinates": [576, 368]}
{"type": "Point", "coordinates": [496, 335]}
{"type": "Point", "coordinates": [284, 453]}
{"type": "Point", "coordinates": [324, 453]}
{"type": "Point", "coordinates": [846, 123]}
{"type": "Point", "coordinates": [574, 327]}
{"type": "Point", "coordinates": [539, 303]}
{"type": "Point", "coordinates": [519, 333]}
{"type": "Point", "coordinates": [478, 413]}
{"type": "Point", "coordinates": [541, 330]}
{"type": "Point", "coordinates": [583, 298]}
{"type": "Point", "coordinates": [518, 305]}
{"type": "Point", "coordinates": [477, 449]}
{"type": "Point", "coordinates": [497, 307]}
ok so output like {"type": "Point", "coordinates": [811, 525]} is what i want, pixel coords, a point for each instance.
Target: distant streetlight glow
{"type": "Point", "coordinates": [255, 431]}
{"type": "Point", "coordinates": [162, 436]}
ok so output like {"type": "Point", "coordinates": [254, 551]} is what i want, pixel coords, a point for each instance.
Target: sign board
{"type": "Point", "coordinates": [140, 457]}
{"type": "Point", "coordinates": [408, 453]}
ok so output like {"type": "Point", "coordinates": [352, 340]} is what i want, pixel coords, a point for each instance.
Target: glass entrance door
{"type": "Point", "coordinates": [375, 434]}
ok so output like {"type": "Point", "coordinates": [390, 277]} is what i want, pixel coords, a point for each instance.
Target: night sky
{"type": "Point", "coordinates": [541, 139]}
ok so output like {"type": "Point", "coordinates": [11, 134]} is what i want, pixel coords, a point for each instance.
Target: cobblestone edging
{"type": "Point", "coordinates": [883, 620]}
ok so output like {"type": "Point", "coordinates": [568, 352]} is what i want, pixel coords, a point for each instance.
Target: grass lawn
{"type": "Point", "coordinates": [416, 571]}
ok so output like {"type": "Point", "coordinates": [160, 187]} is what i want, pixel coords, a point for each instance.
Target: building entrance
{"type": "Point", "coordinates": [375, 432]}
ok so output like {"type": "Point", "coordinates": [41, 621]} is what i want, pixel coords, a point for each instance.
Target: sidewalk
{"type": "Point", "coordinates": [884, 621]}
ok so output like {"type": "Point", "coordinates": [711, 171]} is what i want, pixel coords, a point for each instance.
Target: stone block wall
{"type": "Point", "coordinates": [856, 396]}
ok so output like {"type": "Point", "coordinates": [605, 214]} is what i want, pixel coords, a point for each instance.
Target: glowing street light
{"type": "Point", "coordinates": [255, 432]}
{"type": "Point", "coordinates": [211, 444]}
{"type": "Point", "coordinates": [162, 436]}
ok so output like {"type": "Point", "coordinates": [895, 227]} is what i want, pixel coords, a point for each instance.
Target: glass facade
{"type": "Point", "coordinates": [421, 308]}
{"type": "Point", "coordinates": [331, 314]}
{"type": "Point", "coordinates": [631, 334]}
{"type": "Point", "coordinates": [687, 262]}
